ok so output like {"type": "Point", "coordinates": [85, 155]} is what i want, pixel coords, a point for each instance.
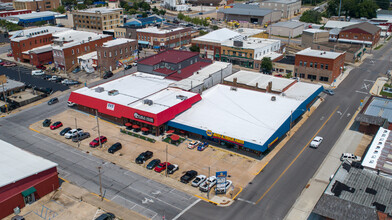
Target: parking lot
{"type": "Point", "coordinates": [241, 169]}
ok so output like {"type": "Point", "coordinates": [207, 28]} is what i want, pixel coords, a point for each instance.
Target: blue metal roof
{"type": "Point", "coordinates": [380, 107]}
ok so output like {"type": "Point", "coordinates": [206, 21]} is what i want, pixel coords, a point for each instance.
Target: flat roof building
{"type": "Point", "coordinates": [249, 13]}
{"type": "Point", "coordinates": [36, 5]}
{"type": "Point", "coordinates": [289, 8]}
{"type": "Point", "coordinates": [31, 18]}
{"type": "Point", "coordinates": [289, 29]}
{"type": "Point", "coordinates": [164, 38]}
{"type": "Point", "coordinates": [99, 19]}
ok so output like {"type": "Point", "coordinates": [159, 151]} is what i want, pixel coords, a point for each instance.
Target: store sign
{"type": "Point", "coordinates": [221, 180]}
{"type": "Point", "coordinates": [110, 106]}
{"type": "Point", "coordinates": [223, 137]}
{"type": "Point", "coordinates": [143, 117]}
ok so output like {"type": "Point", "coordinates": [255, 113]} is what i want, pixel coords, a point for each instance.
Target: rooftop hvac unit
{"type": "Point", "coordinates": [238, 43]}
{"type": "Point", "coordinates": [148, 102]}
{"type": "Point", "coordinates": [233, 88]}
{"type": "Point", "coordinates": [99, 89]}
{"type": "Point", "coordinates": [113, 92]}
{"type": "Point", "coordinates": [181, 97]}
{"type": "Point", "coordinates": [273, 98]}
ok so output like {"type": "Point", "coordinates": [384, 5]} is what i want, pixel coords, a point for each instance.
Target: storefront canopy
{"type": "Point", "coordinates": [145, 129]}
{"type": "Point", "coordinates": [135, 126]}
{"type": "Point", "coordinates": [143, 42]}
{"type": "Point", "coordinates": [175, 137]}
{"type": "Point", "coordinates": [29, 191]}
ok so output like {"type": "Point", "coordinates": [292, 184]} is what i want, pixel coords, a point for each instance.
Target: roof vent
{"type": "Point", "coordinates": [233, 88]}
{"type": "Point", "coordinates": [380, 207]}
{"type": "Point", "coordinates": [99, 89]}
{"type": "Point", "coordinates": [273, 98]}
{"type": "Point", "coordinates": [113, 92]}
{"type": "Point", "coordinates": [148, 102]}
{"type": "Point", "coordinates": [371, 191]}
{"type": "Point", "coordinates": [181, 97]}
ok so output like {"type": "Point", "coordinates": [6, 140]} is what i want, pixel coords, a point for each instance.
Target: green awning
{"type": "Point", "coordinates": [364, 49]}
{"type": "Point", "coordinates": [217, 55]}
{"type": "Point", "coordinates": [29, 191]}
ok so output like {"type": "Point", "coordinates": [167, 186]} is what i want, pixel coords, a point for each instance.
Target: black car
{"type": "Point", "coordinates": [128, 67]}
{"type": "Point", "coordinates": [65, 130]}
{"type": "Point", "coordinates": [172, 168]}
{"type": "Point", "coordinates": [188, 176]}
{"type": "Point", "coordinates": [46, 122]}
{"type": "Point", "coordinates": [81, 137]}
{"type": "Point", "coordinates": [106, 216]}
{"type": "Point", "coordinates": [53, 101]}
{"type": "Point", "coordinates": [143, 157]}
{"type": "Point", "coordinates": [153, 164]}
{"type": "Point", "coordinates": [115, 147]}
{"type": "Point", "coordinates": [107, 74]}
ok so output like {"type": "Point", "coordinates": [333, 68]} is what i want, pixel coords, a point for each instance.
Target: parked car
{"type": "Point", "coordinates": [56, 125]}
{"type": "Point", "coordinates": [9, 64]}
{"type": "Point", "coordinates": [153, 164]}
{"type": "Point", "coordinates": [208, 184]}
{"type": "Point", "coordinates": [76, 70]}
{"type": "Point", "coordinates": [161, 167]}
{"type": "Point", "coordinates": [69, 82]}
{"type": "Point", "coordinates": [134, 63]}
{"type": "Point", "coordinates": [127, 67]}
{"type": "Point", "coordinates": [37, 72]}
{"type": "Point", "coordinates": [199, 180]}
{"type": "Point", "coordinates": [143, 157]}
{"type": "Point", "coordinates": [95, 142]}
{"type": "Point", "coordinates": [46, 76]}
{"type": "Point", "coordinates": [172, 168]}
{"type": "Point", "coordinates": [65, 130]}
{"type": "Point", "coordinates": [329, 91]}
{"type": "Point", "coordinates": [46, 122]}
{"type": "Point", "coordinates": [194, 144]}
{"type": "Point", "coordinates": [223, 189]}
{"type": "Point", "coordinates": [10, 55]}
{"type": "Point", "coordinates": [202, 146]}
{"type": "Point", "coordinates": [80, 137]}
{"type": "Point", "coordinates": [72, 133]}
{"type": "Point", "coordinates": [316, 142]}
{"type": "Point", "coordinates": [54, 78]}
{"type": "Point", "coordinates": [106, 216]}
{"type": "Point", "coordinates": [71, 104]}
{"type": "Point", "coordinates": [188, 176]}
{"type": "Point", "coordinates": [350, 157]}
{"type": "Point", "coordinates": [53, 101]}
{"type": "Point", "coordinates": [107, 74]}
{"type": "Point", "coordinates": [115, 147]}
{"type": "Point", "coordinates": [41, 67]}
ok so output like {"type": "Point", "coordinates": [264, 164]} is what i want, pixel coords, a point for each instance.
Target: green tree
{"type": "Point", "coordinates": [311, 16]}
{"type": "Point", "coordinates": [266, 65]}
{"type": "Point", "coordinates": [201, 33]}
{"type": "Point", "coordinates": [40, 23]}
{"type": "Point", "coordinates": [132, 11]}
{"type": "Point", "coordinates": [214, 27]}
{"type": "Point", "coordinates": [144, 5]}
{"type": "Point", "coordinates": [68, 2]}
{"type": "Point", "coordinates": [60, 9]}
{"type": "Point", "coordinates": [155, 10]}
{"type": "Point", "coordinates": [194, 48]}
{"type": "Point", "coordinates": [88, 2]}
{"type": "Point", "coordinates": [383, 4]}
{"type": "Point", "coordinates": [144, 15]}
{"type": "Point", "coordinates": [353, 8]}
{"type": "Point", "coordinates": [162, 12]}
{"type": "Point", "coordinates": [181, 16]}
{"type": "Point", "coordinates": [81, 6]}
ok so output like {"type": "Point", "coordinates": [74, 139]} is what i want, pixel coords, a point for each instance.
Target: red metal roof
{"type": "Point", "coordinates": [170, 56]}
{"type": "Point", "coordinates": [165, 71]}
{"type": "Point", "coordinates": [187, 71]}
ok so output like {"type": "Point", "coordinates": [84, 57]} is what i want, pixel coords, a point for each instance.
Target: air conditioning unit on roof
{"type": "Point", "coordinates": [99, 89]}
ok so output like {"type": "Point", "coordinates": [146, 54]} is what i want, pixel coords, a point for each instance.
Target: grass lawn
{"type": "Point", "coordinates": [387, 94]}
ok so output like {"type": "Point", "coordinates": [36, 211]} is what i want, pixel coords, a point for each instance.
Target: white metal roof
{"type": "Point", "coordinates": [116, 42]}
{"type": "Point", "coordinates": [319, 53]}
{"type": "Point", "coordinates": [218, 36]}
{"type": "Point", "coordinates": [26, 33]}
{"type": "Point", "coordinates": [102, 10]}
{"type": "Point", "coordinates": [338, 24]}
{"type": "Point", "coordinates": [35, 15]}
{"type": "Point", "coordinates": [251, 42]}
{"type": "Point", "coordinates": [242, 113]}
{"type": "Point", "coordinates": [373, 154]}
{"type": "Point", "coordinates": [272, 55]}
{"type": "Point", "coordinates": [134, 88]}
{"type": "Point", "coordinates": [313, 30]}
{"type": "Point", "coordinates": [17, 164]}
{"type": "Point", "coordinates": [249, 32]}
{"type": "Point", "coordinates": [76, 37]}
{"type": "Point", "coordinates": [92, 55]}
{"type": "Point", "coordinates": [156, 30]}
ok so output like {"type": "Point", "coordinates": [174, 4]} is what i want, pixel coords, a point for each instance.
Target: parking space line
{"type": "Point", "coordinates": [261, 169]}
{"type": "Point", "coordinates": [237, 193]}
{"type": "Point", "coordinates": [100, 196]}
{"type": "Point", "coordinates": [34, 130]}
{"type": "Point", "coordinates": [186, 209]}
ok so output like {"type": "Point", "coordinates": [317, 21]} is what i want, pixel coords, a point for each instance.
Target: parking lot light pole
{"type": "Point", "coordinates": [76, 127]}
{"type": "Point", "coordinates": [208, 189]}
{"type": "Point", "coordinates": [99, 133]}
{"type": "Point", "coordinates": [166, 160]}
{"type": "Point", "coordinates": [100, 182]}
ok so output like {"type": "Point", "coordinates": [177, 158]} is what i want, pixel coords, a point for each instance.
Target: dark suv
{"type": "Point", "coordinates": [53, 101]}
{"type": "Point", "coordinates": [115, 147]}
{"type": "Point", "coordinates": [188, 176]}
{"type": "Point", "coordinates": [106, 216]}
{"type": "Point", "coordinates": [108, 74]}
{"type": "Point", "coordinates": [143, 157]}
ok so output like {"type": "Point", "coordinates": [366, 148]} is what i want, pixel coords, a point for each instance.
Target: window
{"type": "Point", "coordinates": [250, 55]}
{"type": "Point", "coordinates": [300, 63]}
{"type": "Point", "coordinates": [104, 54]}
{"type": "Point", "coordinates": [223, 52]}
{"type": "Point", "coordinates": [130, 48]}
{"type": "Point", "coordinates": [115, 53]}
{"type": "Point", "coordinates": [355, 37]}
{"type": "Point", "coordinates": [324, 79]}
{"type": "Point", "coordinates": [73, 52]}
{"type": "Point", "coordinates": [110, 54]}
{"type": "Point", "coordinates": [326, 66]}
{"type": "Point", "coordinates": [120, 51]}
{"type": "Point", "coordinates": [310, 64]}
{"type": "Point", "coordinates": [301, 75]}
{"type": "Point", "coordinates": [234, 53]}
{"type": "Point", "coordinates": [77, 50]}
{"type": "Point", "coordinates": [312, 77]}
{"type": "Point", "coordinates": [305, 64]}
{"type": "Point", "coordinates": [126, 50]}
{"type": "Point", "coordinates": [315, 65]}
{"type": "Point", "coordinates": [321, 66]}
{"type": "Point", "coordinates": [73, 62]}
{"type": "Point", "coordinates": [23, 45]}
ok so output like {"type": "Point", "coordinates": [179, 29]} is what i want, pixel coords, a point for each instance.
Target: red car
{"type": "Point", "coordinates": [161, 167]}
{"type": "Point", "coordinates": [56, 125]}
{"type": "Point", "coordinates": [41, 67]}
{"type": "Point", "coordinates": [10, 55]}
{"type": "Point", "coordinates": [95, 142]}
{"type": "Point", "coordinates": [9, 64]}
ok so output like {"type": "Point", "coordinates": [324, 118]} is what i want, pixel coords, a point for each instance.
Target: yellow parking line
{"type": "Point", "coordinates": [237, 193]}
{"type": "Point", "coordinates": [64, 180]}
{"type": "Point", "coordinates": [100, 196]}
{"type": "Point", "coordinates": [261, 169]}
{"type": "Point", "coordinates": [37, 103]}
{"type": "Point", "coordinates": [207, 200]}
{"type": "Point", "coordinates": [34, 130]}
{"type": "Point", "coordinates": [230, 152]}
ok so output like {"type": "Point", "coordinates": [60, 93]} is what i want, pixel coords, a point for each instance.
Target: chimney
{"type": "Point", "coordinates": [257, 85]}
{"type": "Point", "coordinates": [269, 87]}
{"type": "Point", "coordinates": [235, 81]}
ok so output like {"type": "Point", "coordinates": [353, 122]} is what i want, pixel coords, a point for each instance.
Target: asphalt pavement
{"type": "Point", "coordinates": [272, 193]}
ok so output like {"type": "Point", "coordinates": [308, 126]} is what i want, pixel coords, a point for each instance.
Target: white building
{"type": "Point", "coordinates": [175, 5]}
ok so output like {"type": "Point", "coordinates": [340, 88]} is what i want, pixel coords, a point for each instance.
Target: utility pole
{"type": "Point", "coordinates": [340, 6]}
{"type": "Point", "coordinates": [100, 182]}
{"type": "Point", "coordinates": [99, 134]}
{"type": "Point", "coordinates": [208, 189]}
{"type": "Point", "coordinates": [76, 127]}
{"type": "Point", "coordinates": [5, 98]}
{"type": "Point", "coordinates": [166, 160]}
{"type": "Point", "coordinates": [20, 79]}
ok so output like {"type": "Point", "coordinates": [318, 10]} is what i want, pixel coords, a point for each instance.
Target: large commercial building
{"type": "Point", "coordinates": [289, 8]}
{"type": "Point", "coordinates": [25, 178]}
{"type": "Point", "coordinates": [36, 5]}
{"type": "Point", "coordinates": [163, 38]}
{"type": "Point", "coordinates": [98, 18]}
{"type": "Point", "coordinates": [30, 19]}
{"type": "Point", "coordinates": [115, 53]}
{"type": "Point", "coordinates": [249, 13]}
{"type": "Point", "coordinates": [361, 33]}
{"type": "Point", "coordinates": [319, 66]}
{"type": "Point", "coordinates": [210, 44]}
{"type": "Point", "coordinates": [14, 12]}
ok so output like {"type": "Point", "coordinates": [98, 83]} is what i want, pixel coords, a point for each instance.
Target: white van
{"type": "Point", "coordinates": [37, 72]}
{"type": "Point", "coordinates": [349, 157]}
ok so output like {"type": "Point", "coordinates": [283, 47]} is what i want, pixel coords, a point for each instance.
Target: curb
{"type": "Point", "coordinates": [207, 200]}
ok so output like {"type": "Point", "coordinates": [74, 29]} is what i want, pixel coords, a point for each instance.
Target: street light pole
{"type": "Point", "coordinates": [100, 182]}
{"type": "Point", "coordinates": [76, 127]}
{"type": "Point", "coordinates": [208, 189]}
{"type": "Point", "coordinates": [166, 160]}
{"type": "Point", "coordinates": [99, 134]}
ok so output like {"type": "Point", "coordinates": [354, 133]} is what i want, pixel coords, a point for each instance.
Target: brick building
{"type": "Point", "coordinates": [24, 41]}
{"type": "Point", "coordinates": [361, 33]}
{"type": "Point", "coordinates": [115, 53]}
{"type": "Point", "coordinates": [25, 178]}
{"type": "Point", "coordinates": [318, 65]}
{"type": "Point", "coordinates": [36, 5]}
{"type": "Point", "coordinates": [98, 18]}
{"type": "Point", "coordinates": [71, 44]}
{"type": "Point", "coordinates": [160, 38]}
{"type": "Point", "coordinates": [14, 12]}
{"type": "Point", "coordinates": [125, 32]}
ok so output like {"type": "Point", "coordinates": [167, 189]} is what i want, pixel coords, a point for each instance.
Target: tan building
{"type": "Point", "coordinates": [313, 36]}
{"type": "Point", "coordinates": [36, 5]}
{"type": "Point", "coordinates": [289, 8]}
{"type": "Point", "coordinates": [98, 18]}
{"type": "Point", "coordinates": [284, 66]}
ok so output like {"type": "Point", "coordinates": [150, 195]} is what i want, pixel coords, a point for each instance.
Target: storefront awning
{"type": "Point", "coordinates": [135, 126]}
{"type": "Point", "coordinates": [157, 47]}
{"type": "Point", "coordinates": [128, 124]}
{"type": "Point", "coordinates": [170, 131]}
{"type": "Point", "coordinates": [29, 191]}
{"type": "Point", "coordinates": [145, 129]}
{"type": "Point", "coordinates": [175, 137]}
{"type": "Point", "coordinates": [143, 42]}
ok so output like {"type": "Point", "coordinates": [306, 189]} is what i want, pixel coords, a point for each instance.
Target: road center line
{"type": "Point", "coordinates": [292, 162]}
{"type": "Point", "coordinates": [186, 209]}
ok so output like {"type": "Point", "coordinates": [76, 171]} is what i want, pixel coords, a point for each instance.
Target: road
{"type": "Point", "coordinates": [133, 191]}
{"type": "Point", "coordinates": [272, 193]}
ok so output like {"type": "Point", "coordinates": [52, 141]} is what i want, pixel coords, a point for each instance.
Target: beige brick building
{"type": "Point", "coordinates": [98, 18]}
{"type": "Point", "coordinates": [36, 5]}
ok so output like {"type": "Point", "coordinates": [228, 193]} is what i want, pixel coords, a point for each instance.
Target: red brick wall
{"type": "Point", "coordinates": [41, 58]}
{"type": "Point", "coordinates": [11, 197]}
{"type": "Point", "coordinates": [111, 61]}
{"type": "Point", "coordinates": [332, 72]}
{"type": "Point", "coordinates": [358, 34]}
{"type": "Point", "coordinates": [28, 44]}
{"type": "Point", "coordinates": [149, 36]}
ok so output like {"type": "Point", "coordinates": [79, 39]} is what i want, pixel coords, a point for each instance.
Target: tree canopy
{"type": "Point", "coordinates": [353, 8]}
{"type": "Point", "coordinates": [311, 16]}
{"type": "Point", "coordinates": [266, 65]}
